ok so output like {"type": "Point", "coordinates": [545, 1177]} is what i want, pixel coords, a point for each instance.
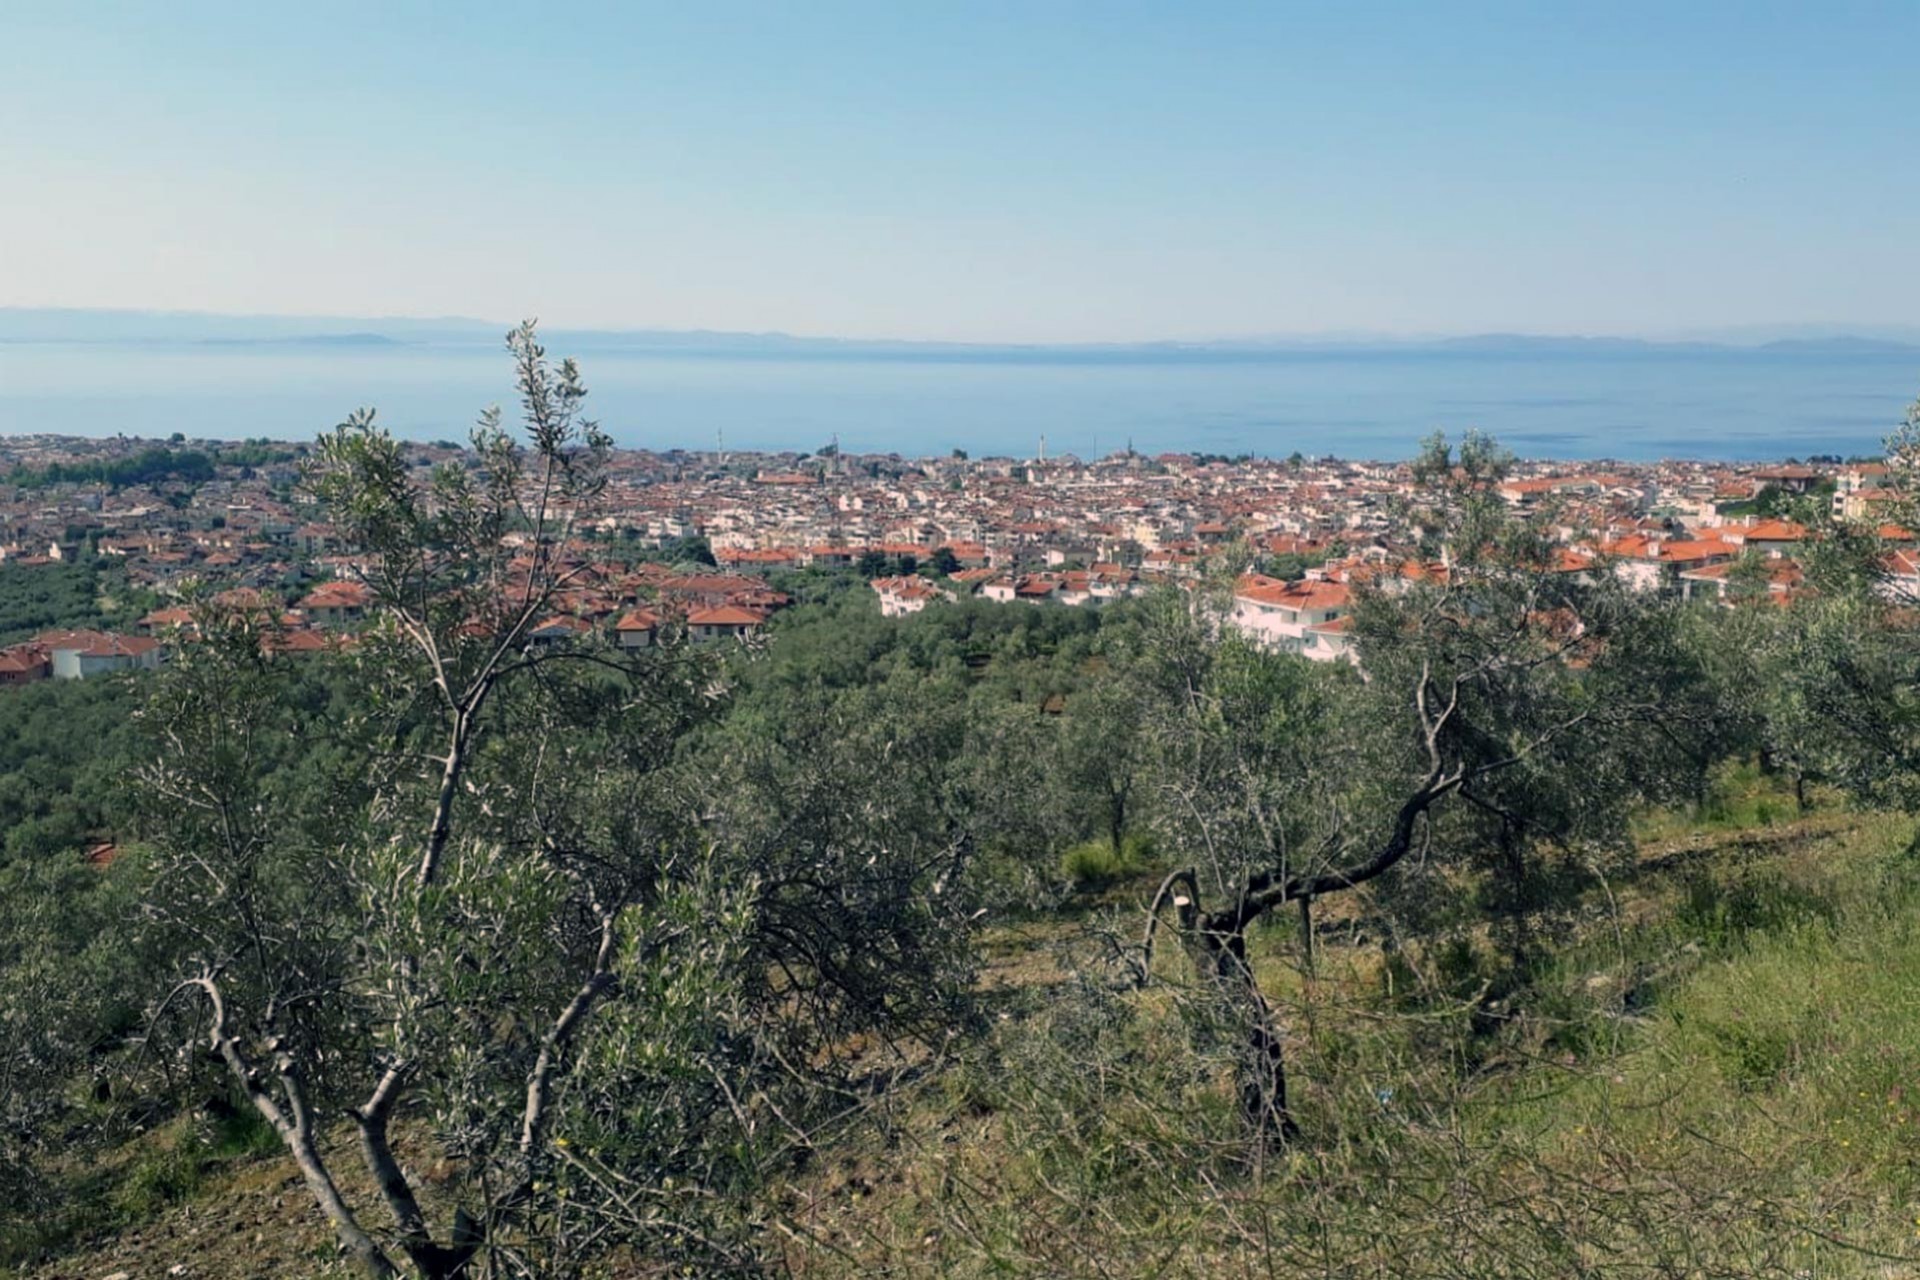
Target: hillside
{"type": "Point", "coordinates": [1714, 1078]}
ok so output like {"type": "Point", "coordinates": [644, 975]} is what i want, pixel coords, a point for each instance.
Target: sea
{"type": "Point", "coordinates": [1635, 404]}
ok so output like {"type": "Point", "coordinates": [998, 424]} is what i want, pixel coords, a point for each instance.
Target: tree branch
{"type": "Point", "coordinates": [295, 1130]}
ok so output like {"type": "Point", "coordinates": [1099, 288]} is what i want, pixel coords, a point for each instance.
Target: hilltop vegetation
{"type": "Point", "coordinates": [149, 466]}
{"type": "Point", "coordinates": [1716, 1085]}
{"type": "Point", "coordinates": [155, 464]}
{"type": "Point", "coordinates": [1565, 932]}
{"type": "Point", "coordinates": [86, 592]}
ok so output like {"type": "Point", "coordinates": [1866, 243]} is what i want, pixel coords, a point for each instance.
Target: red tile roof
{"type": "Point", "coordinates": [725, 616]}
{"type": "Point", "coordinates": [1307, 593]}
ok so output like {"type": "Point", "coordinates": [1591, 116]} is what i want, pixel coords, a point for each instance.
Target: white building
{"type": "Point", "coordinates": [1292, 616]}
{"type": "Point", "coordinates": [79, 655]}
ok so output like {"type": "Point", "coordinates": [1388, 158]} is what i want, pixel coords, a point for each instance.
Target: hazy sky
{"type": "Point", "coordinates": [1023, 171]}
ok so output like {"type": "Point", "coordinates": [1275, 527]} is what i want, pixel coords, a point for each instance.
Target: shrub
{"type": "Point", "coordinates": [1094, 864]}
{"type": "Point", "coordinates": [163, 1175]}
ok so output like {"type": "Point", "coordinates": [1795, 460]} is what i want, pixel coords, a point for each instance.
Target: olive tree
{"type": "Point", "coordinates": [1495, 692]}
{"type": "Point", "coordinates": [1829, 689]}
{"type": "Point", "coordinates": [849, 808]}
{"type": "Point", "coordinates": [1104, 759]}
{"type": "Point", "coordinates": [487, 922]}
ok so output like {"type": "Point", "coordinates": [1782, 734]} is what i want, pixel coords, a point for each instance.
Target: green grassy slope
{"type": "Point", "coordinates": [1718, 1075]}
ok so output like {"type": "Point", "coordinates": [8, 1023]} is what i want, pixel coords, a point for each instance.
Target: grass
{"type": "Point", "coordinates": [177, 1163]}
{"type": "Point", "coordinates": [1096, 864]}
{"type": "Point", "coordinates": [1716, 1077]}
{"type": "Point", "coordinates": [1805, 984]}
{"type": "Point", "coordinates": [1740, 798]}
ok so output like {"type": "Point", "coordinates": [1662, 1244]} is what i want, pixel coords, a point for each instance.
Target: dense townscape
{"type": "Point", "coordinates": [707, 541]}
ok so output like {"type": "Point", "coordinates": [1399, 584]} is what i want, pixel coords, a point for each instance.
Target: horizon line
{"type": "Point", "coordinates": [1758, 334]}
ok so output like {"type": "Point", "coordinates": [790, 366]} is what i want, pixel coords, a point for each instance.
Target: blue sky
{"type": "Point", "coordinates": [1031, 171]}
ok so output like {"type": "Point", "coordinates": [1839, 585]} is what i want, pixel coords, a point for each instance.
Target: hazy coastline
{"type": "Point", "coordinates": [245, 377]}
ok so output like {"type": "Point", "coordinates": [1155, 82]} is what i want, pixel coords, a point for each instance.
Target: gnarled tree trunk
{"type": "Point", "coordinates": [1263, 1073]}
{"type": "Point", "coordinates": [1219, 951]}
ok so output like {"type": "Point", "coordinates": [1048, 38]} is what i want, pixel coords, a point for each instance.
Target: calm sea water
{"type": "Point", "coordinates": [1732, 404]}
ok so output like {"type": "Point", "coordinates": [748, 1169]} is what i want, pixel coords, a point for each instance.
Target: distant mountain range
{"type": "Point", "coordinates": [1841, 344]}
{"type": "Point", "coordinates": [62, 325]}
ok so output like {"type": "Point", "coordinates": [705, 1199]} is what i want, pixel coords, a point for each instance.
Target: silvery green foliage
{"type": "Point", "coordinates": [1504, 720]}
{"type": "Point", "coordinates": [1828, 684]}
{"type": "Point", "coordinates": [850, 812]}
{"type": "Point", "coordinates": [488, 916]}
{"type": "Point", "coordinates": [69, 983]}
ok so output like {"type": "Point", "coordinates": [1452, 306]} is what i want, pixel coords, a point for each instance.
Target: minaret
{"type": "Point", "coordinates": [1043, 446]}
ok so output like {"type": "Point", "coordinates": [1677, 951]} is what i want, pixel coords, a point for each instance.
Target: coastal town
{"type": "Point", "coordinates": [711, 543]}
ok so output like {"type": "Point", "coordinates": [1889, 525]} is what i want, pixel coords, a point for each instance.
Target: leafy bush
{"type": "Point", "coordinates": [1096, 864]}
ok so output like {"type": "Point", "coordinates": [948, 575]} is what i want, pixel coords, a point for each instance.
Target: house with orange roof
{"type": "Point", "coordinates": [1859, 488]}
{"type": "Point", "coordinates": [1172, 563]}
{"type": "Point", "coordinates": [336, 604]}
{"type": "Point", "coordinates": [971, 555]}
{"type": "Point", "coordinates": [1038, 588]}
{"type": "Point", "coordinates": [1529, 492]}
{"type": "Point", "coordinates": [637, 629]}
{"type": "Point", "coordinates": [973, 579]}
{"type": "Point", "coordinates": [1792, 478]}
{"type": "Point", "coordinates": [1653, 563]}
{"type": "Point", "coordinates": [24, 664]}
{"type": "Point", "coordinates": [759, 558]}
{"type": "Point", "coordinates": [1330, 641]}
{"type": "Point", "coordinates": [1772, 537]}
{"type": "Point", "coordinates": [828, 556]}
{"type": "Point", "coordinates": [1712, 582]}
{"type": "Point", "coordinates": [1901, 581]}
{"type": "Point", "coordinates": [904, 595]}
{"type": "Point", "coordinates": [559, 628]}
{"type": "Point", "coordinates": [724, 622]}
{"type": "Point", "coordinates": [302, 643]}
{"type": "Point", "coordinates": [1278, 614]}
{"type": "Point", "coordinates": [161, 621]}
{"type": "Point", "coordinates": [1212, 532]}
